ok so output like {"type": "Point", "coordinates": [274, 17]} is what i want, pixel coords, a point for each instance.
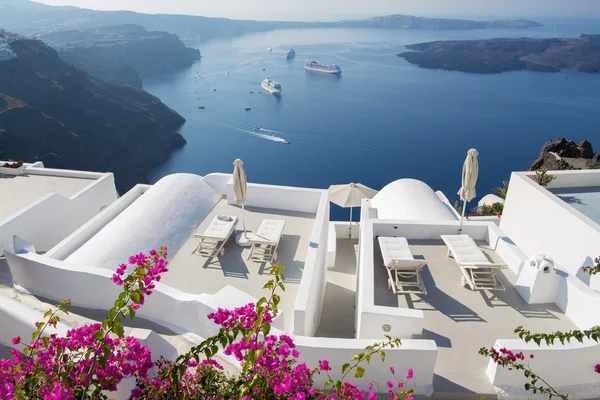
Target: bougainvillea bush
{"type": "Point", "coordinates": [89, 362]}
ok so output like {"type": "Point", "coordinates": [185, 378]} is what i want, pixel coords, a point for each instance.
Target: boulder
{"type": "Point", "coordinates": [585, 149]}
{"type": "Point", "coordinates": [562, 147]}
{"type": "Point", "coordinates": [596, 158]}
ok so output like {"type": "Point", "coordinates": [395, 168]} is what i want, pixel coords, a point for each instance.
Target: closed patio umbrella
{"type": "Point", "coordinates": [240, 187]}
{"type": "Point", "coordinates": [350, 195]}
{"type": "Point", "coordinates": [469, 180]}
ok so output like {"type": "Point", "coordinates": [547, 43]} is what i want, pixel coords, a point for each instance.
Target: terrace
{"type": "Point", "coordinates": [460, 320]}
{"type": "Point", "coordinates": [196, 274]}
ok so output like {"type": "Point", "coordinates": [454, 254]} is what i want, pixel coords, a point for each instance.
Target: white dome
{"type": "Point", "coordinates": [411, 199]}
{"type": "Point", "coordinates": [166, 214]}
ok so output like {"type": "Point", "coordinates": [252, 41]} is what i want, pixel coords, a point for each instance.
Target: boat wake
{"type": "Point", "coordinates": [270, 131]}
{"type": "Point", "coordinates": [271, 137]}
{"type": "Point", "coordinates": [257, 134]}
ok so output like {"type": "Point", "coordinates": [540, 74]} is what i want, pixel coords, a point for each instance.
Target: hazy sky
{"type": "Point", "coordinates": [334, 9]}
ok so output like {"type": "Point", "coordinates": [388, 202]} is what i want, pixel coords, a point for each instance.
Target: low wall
{"type": "Point", "coordinates": [279, 197]}
{"type": "Point", "coordinates": [75, 240]}
{"type": "Point", "coordinates": [345, 230]}
{"type": "Point", "coordinates": [576, 300]}
{"type": "Point", "coordinates": [169, 307]}
{"type": "Point", "coordinates": [568, 368]}
{"type": "Point", "coordinates": [420, 355]}
{"type": "Point", "coordinates": [311, 291]}
{"type": "Point", "coordinates": [53, 217]}
{"type": "Point", "coordinates": [218, 181]}
{"type": "Point", "coordinates": [539, 222]}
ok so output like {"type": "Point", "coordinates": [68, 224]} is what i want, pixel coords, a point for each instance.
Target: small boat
{"type": "Point", "coordinates": [271, 86]}
{"type": "Point", "coordinates": [269, 48]}
{"type": "Point", "coordinates": [290, 54]}
{"type": "Point", "coordinates": [214, 90]}
{"type": "Point", "coordinates": [248, 108]}
{"type": "Point", "coordinates": [264, 69]}
{"type": "Point", "coordinates": [257, 128]}
{"type": "Point", "coordinates": [201, 107]}
{"type": "Point", "coordinates": [251, 92]}
{"type": "Point", "coordinates": [286, 141]}
{"type": "Point", "coordinates": [326, 69]}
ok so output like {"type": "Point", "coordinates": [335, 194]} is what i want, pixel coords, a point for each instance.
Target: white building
{"type": "Point", "coordinates": [64, 233]}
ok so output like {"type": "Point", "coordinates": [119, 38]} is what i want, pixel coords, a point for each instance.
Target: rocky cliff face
{"type": "Point", "coordinates": [563, 154]}
{"type": "Point", "coordinates": [52, 112]}
{"type": "Point", "coordinates": [122, 54]}
{"type": "Point", "coordinates": [499, 55]}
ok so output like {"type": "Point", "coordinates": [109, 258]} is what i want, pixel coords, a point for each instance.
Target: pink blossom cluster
{"type": "Point", "coordinates": [503, 355]}
{"type": "Point", "coordinates": [60, 364]}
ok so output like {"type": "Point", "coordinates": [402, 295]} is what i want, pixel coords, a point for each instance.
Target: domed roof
{"type": "Point", "coordinates": [411, 199]}
{"type": "Point", "coordinates": [166, 214]}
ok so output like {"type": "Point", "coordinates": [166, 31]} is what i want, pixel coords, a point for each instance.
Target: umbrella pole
{"type": "Point", "coordinates": [350, 225]}
{"type": "Point", "coordinates": [463, 215]}
{"type": "Point", "coordinates": [244, 219]}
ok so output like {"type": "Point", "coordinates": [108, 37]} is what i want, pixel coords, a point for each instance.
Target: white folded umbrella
{"type": "Point", "coordinates": [240, 187]}
{"type": "Point", "coordinates": [470, 173]}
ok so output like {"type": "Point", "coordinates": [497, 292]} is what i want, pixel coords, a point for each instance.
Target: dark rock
{"type": "Point", "coordinates": [585, 149]}
{"type": "Point", "coordinates": [121, 54]}
{"type": "Point", "coordinates": [596, 158]}
{"type": "Point", "coordinates": [58, 114]}
{"type": "Point", "coordinates": [499, 55]}
{"type": "Point", "coordinates": [562, 147]}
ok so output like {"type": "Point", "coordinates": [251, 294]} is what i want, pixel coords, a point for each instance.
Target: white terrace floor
{"type": "Point", "coordinates": [196, 274]}
{"type": "Point", "coordinates": [20, 191]}
{"type": "Point", "coordinates": [462, 321]}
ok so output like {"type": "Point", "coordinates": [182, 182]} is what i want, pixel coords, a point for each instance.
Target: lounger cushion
{"type": "Point", "coordinates": [394, 248]}
{"type": "Point", "coordinates": [270, 231]}
{"type": "Point", "coordinates": [219, 229]}
{"type": "Point", "coordinates": [465, 250]}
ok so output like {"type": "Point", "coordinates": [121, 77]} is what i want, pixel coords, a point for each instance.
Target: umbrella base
{"type": "Point", "coordinates": [244, 239]}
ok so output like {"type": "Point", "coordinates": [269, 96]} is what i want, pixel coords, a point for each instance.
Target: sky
{"type": "Point", "coordinates": [340, 9]}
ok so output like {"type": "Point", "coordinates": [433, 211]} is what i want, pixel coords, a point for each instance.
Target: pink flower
{"type": "Point", "coordinates": [392, 370]}
{"type": "Point", "coordinates": [410, 373]}
{"type": "Point", "coordinates": [192, 363]}
{"type": "Point", "coordinates": [370, 386]}
{"type": "Point", "coordinates": [372, 396]}
{"type": "Point", "coordinates": [324, 365]}
{"type": "Point", "coordinates": [135, 306]}
{"type": "Point", "coordinates": [390, 384]}
{"type": "Point", "coordinates": [597, 368]}
{"type": "Point", "coordinates": [531, 356]}
{"type": "Point", "coordinates": [16, 340]}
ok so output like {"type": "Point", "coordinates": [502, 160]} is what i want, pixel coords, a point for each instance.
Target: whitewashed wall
{"type": "Point", "coordinates": [311, 291]}
{"type": "Point", "coordinates": [279, 197]}
{"type": "Point", "coordinates": [91, 287]}
{"type": "Point", "coordinates": [75, 240]}
{"type": "Point", "coordinates": [568, 368]}
{"type": "Point", "coordinates": [420, 355]}
{"type": "Point", "coordinates": [539, 222]}
{"type": "Point", "coordinates": [53, 217]}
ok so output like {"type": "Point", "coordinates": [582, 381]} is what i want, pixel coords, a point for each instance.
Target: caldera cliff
{"type": "Point", "coordinates": [52, 112]}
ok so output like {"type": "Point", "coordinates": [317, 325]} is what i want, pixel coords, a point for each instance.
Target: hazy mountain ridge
{"type": "Point", "coordinates": [16, 15]}
{"type": "Point", "coordinates": [499, 55]}
{"type": "Point", "coordinates": [122, 54]}
{"type": "Point", "coordinates": [52, 112]}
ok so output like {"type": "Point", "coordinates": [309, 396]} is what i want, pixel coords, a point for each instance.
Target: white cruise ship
{"type": "Point", "coordinates": [291, 54]}
{"type": "Point", "coordinates": [327, 69]}
{"type": "Point", "coordinates": [271, 86]}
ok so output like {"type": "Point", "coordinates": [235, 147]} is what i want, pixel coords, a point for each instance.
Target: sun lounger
{"type": "Point", "coordinates": [266, 240]}
{"type": "Point", "coordinates": [212, 241]}
{"type": "Point", "coordinates": [403, 269]}
{"type": "Point", "coordinates": [479, 273]}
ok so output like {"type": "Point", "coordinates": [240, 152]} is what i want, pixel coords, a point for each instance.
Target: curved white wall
{"type": "Point", "coordinates": [165, 215]}
{"type": "Point", "coordinates": [410, 199]}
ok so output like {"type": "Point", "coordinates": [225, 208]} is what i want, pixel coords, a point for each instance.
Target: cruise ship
{"type": "Point", "coordinates": [291, 54]}
{"type": "Point", "coordinates": [327, 69]}
{"type": "Point", "coordinates": [271, 86]}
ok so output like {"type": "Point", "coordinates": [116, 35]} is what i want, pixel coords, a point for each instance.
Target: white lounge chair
{"type": "Point", "coordinates": [398, 259]}
{"type": "Point", "coordinates": [478, 272]}
{"type": "Point", "coordinates": [266, 240]}
{"type": "Point", "coordinates": [212, 241]}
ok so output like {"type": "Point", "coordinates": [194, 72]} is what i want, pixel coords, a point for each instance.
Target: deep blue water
{"type": "Point", "coordinates": [382, 120]}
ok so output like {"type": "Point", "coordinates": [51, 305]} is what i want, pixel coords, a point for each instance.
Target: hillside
{"type": "Point", "coordinates": [52, 112]}
{"type": "Point", "coordinates": [499, 55]}
{"type": "Point", "coordinates": [26, 17]}
{"type": "Point", "coordinates": [122, 54]}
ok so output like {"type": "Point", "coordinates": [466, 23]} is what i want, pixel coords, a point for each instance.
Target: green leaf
{"type": "Point", "coordinates": [382, 354]}
{"type": "Point", "coordinates": [328, 383]}
{"type": "Point", "coordinates": [359, 372]}
{"type": "Point", "coordinates": [266, 328]}
{"type": "Point", "coordinates": [338, 385]}
{"type": "Point", "coordinates": [269, 285]}
{"type": "Point", "coordinates": [135, 297]}
{"type": "Point", "coordinates": [345, 368]}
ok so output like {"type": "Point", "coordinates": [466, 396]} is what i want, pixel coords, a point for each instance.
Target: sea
{"type": "Point", "coordinates": [383, 119]}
